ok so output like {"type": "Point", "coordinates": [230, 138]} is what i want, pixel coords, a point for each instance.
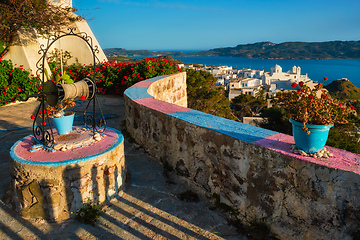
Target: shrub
{"type": "Point", "coordinates": [204, 96]}
{"type": "Point", "coordinates": [16, 81]}
{"type": "Point", "coordinates": [89, 212]}
{"type": "Point", "coordinates": [305, 106]}
{"type": "Point", "coordinates": [114, 78]}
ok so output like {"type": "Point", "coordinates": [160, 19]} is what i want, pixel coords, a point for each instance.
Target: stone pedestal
{"type": "Point", "coordinates": [53, 185]}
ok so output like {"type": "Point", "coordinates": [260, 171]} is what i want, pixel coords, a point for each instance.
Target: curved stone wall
{"type": "Point", "coordinates": [248, 170]}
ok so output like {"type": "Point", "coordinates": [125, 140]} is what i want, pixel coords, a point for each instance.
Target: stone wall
{"type": "Point", "coordinates": [170, 90]}
{"type": "Point", "coordinates": [247, 170]}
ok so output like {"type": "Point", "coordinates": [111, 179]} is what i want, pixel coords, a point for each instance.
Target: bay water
{"type": "Point", "coordinates": [333, 69]}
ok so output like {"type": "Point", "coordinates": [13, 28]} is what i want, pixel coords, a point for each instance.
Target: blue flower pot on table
{"type": "Point", "coordinates": [313, 142]}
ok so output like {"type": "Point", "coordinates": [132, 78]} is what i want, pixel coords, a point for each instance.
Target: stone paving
{"type": "Point", "coordinates": [148, 208]}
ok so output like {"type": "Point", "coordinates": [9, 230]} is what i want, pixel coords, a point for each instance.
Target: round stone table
{"type": "Point", "coordinates": [54, 185]}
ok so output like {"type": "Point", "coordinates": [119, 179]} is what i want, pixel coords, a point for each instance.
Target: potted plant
{"type": "Point", "coordinates": [63, 121]}
{"type": "Point", "coordinates": [312, 112]}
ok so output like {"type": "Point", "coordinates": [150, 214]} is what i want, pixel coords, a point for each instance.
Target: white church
{"type": "Point", "coordinates": [26, 50]}
{"type": "Point", "coordinates": [271, 82]}
{"type": "Point", "coordinates": [277, 79]}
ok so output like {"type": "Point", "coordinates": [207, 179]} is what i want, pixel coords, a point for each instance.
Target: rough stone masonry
{"type": "Point", "coordinates": [250, 171]}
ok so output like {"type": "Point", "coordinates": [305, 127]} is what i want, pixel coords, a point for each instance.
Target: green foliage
{"type": "Point", "coordinates": [15, 81]}
{"type": "Point", "coordinates": [276, 120]}
{"type": "Point", "coordinates": [56, 56]}
{"type": "Point", "coordinates": [204, 96]}
{"type": "Point", "coordinates": [2, 46]}
{"type": "Point", "coordinates": [63, 79]}
{"type": "Point", "coordinates": [114, 78]}
{"type": "Point", "coordinates": [343, 90]}
{"type": "Point", "coordinates": [306, 106]}
{"type": "Point", "coordinates": [89, 212]}
{"type": "Point", "coordinates": [246, 105]}
{"type": "Point", "coordinates": [344, 137]}
{"type": "Point", "coordinates": [356, 104]}
{"type": "Point", "coordinates": [43, 16]}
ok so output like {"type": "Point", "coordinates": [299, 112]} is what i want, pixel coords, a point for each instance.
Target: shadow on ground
{"type": "Point", "coordinates": [148, 208]}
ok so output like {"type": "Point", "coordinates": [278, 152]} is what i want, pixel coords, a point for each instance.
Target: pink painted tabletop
{"type": "Point", "coordinates": [21, 150]}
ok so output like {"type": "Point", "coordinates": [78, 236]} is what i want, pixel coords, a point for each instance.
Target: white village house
{"type": "Point", "coordinates": [251, 81]}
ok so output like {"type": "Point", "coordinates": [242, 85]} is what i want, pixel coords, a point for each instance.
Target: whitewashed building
{"type": "Point", "coordinates": [253, 81]}
{"type": "Point", "coordinates": [244, 86]}
{"type": "Point", "coordinates": [251, 73]}
{"type": "Point", "coordinates": [276, 75]}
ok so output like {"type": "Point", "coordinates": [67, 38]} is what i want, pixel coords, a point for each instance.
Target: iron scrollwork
{"type": "Point", "coordinates": [43, 133]}
{"type": "Point", "coordinates": [46, 136]}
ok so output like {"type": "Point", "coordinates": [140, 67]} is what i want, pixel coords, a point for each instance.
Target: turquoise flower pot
{"type": "Point", "coordinates": [64, 123]}
{"type": "Point", "coordinates": [313, 142]}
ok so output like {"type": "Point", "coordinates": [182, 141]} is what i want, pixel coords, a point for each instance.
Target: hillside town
{"type": "Point", "coordinates": [251, 81]}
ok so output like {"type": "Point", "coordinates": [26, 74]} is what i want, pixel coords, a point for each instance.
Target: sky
{"type": "Point", "coordinates": [207, 24]}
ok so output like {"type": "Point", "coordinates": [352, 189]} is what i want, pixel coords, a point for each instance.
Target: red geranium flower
{"type": "Point", "coordinates": [294, 84]}
{"type": "Point", "coordinates": [32, 117]}
{"type": "Point", "coordinates": [82, 98]}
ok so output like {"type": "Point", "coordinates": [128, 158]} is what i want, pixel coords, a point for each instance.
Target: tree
{"type": "Point", "coordinates": [204, 96]}
{"type": "Point", "coordinates": [246, 105]}
{"type": "Point", "coordinates": [40, 15]}
{"type": "Point", "coordinates": [260, 95]}
{"type": "Point", "coordinates": [276, 119]}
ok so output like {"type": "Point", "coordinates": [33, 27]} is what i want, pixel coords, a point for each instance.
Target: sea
{"type": "Point", "coordinates": [333, 69]}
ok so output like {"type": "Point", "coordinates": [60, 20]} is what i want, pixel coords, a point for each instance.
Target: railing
{"type": "Point", "coordinates": [250, 170]}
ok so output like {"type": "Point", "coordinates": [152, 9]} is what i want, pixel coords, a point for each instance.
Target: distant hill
{"type": "Point", "coordinates": [121, 59]}
{"type": "Point", "coordinates": [343, 89]}
{"type": "Point", "coordinates": [266, 50]}
{"type": "Point", "coordinates": [114, 52]}
{"type": "Point", "coordinates": [291, 50]}
{"type": "Point", "coordinates": [132, 60]}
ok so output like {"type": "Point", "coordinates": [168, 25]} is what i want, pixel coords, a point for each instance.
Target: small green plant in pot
{"type": "Point", "coordinates": [312, 111]}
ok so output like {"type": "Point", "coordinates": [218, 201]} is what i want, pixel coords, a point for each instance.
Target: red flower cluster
{"type": "Point", "coordinates": [304, 105]}
{"type": "Point", "coordinates": [114, 78]}
{"type": "Point", "coordinates": [15, 81]}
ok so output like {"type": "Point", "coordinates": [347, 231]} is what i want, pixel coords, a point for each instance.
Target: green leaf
{"type": "Point", "coordinates": [57, 78]}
